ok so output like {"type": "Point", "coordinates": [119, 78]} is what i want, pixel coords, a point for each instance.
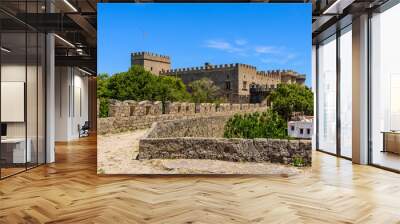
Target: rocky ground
{"type": "Point", "coordinates": [116, 154]}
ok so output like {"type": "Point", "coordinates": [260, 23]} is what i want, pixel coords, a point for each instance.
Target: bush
{"type": "Point", "coordinates": [256, 125]}
{"type": "Point", "coordinates": [289, 98]}
{"type": "Point", "coordinates": [104, 105]}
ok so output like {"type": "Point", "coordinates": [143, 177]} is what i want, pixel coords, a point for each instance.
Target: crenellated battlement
{"type": "Point", "coordinates": [207, 67]}
{"type": "Point", "coordinates": [271, 74]}
{"type": "Point", "coordinates": [150, 54]}
{"type": "Point", "coordinates": [279, 73]}
{"type": "Point", "coordinates": [247, 66]}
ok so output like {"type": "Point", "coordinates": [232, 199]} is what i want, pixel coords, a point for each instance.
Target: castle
{"type": "Point", "coordinates": [234, 80]}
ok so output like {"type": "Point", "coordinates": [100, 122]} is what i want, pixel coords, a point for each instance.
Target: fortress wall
{"type": "Point", "coordinates": [131, 115]}
{"type": "Point", "coordinates": [240, 76]}
{"type": "Point", "coordinates": [219, 74]}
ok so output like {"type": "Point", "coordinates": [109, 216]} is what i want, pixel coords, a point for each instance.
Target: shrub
{"type": "Point", "coordinates": [298, 161]}
{"type": "Point", "coordinates": [256, 125]}
{"type": "Point", "coordinates": [104, 105]}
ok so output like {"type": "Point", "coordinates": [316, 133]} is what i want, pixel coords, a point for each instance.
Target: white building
{"type": "Point", "coordinates": [301, 128]}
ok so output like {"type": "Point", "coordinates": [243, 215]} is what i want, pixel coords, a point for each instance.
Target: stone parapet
{"type": "Point", "coordinates": [236, 150]}
{"type": "Point", "coordinates": [131, 115]}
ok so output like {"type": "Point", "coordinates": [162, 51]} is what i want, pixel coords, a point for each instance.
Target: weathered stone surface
{"type": "Point", "coordinates": [196, 148]}
{"type": "Point", "coordinates": [235, 107]}
{"type": "Point", "coordinates": [194, 127]}
{"type": "Point", "coordinates": [224, 107]}
{"type": "Point", "coordinates": [245, 106]}
{"type": "Point", "coordinates": [237, 150]}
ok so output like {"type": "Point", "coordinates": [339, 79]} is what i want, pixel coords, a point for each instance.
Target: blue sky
{"type": "Point", "coordinates": [268, 36]}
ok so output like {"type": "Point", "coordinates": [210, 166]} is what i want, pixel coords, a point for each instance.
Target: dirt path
{"type": "Point", "coordinates": [116, 154]}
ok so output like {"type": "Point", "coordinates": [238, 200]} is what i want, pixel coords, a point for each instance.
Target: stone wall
{"type": "Point", "coordinates": [201, 138]}
{"type": "Point", "coordinates": [131, 115]}
{"type": "Point", "coordinates": [132, 108]}
{"type": "Point", "coordinates": [237, 150]}
{"type": "Point", "coordinates": [193, 127]}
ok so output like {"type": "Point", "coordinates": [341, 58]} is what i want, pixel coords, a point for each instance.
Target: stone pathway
{"type": "Point", "coordinates": [116, 154]}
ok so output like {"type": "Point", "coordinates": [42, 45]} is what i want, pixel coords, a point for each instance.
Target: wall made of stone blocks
{"type": "Point", "coordinates": [131, 115]}
{"type": "Point", "coordinates": [179, 108]}
{"type": "Point", "coordinates": [235, 149]}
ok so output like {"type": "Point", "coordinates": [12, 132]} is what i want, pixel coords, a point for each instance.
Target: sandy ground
{"type": "Point", "coordinates": [116, 154]}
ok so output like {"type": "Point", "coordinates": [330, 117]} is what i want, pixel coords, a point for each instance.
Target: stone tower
{"type": "Point", "coordinates": [154, 63]}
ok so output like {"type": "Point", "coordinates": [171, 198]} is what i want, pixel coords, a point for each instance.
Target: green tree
{"type": "Point", "coordinates": [171, 89]}
{"type": "Point", "coordinates": [135, 84]}
{"type": "Point", "coordinates": [139, 84]}
{"type": "Point", "coordinates": [256, 125]}
{"type": "Point", "coordinates": [103, 93]}
{"type": "Point", "coordinates": [204, 91]}
{"type": "Point", "coordinates": [102, 85]}
{"type": "Point", "coordinates": [289, 98]}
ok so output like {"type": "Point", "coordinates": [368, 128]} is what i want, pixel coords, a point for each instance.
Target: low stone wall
{"type": "Point", "coordinates": [200, 138]}
{"type": "Point", "coordinates": [194, 127]}
{"type": "Point", "coordinates": [131, 115]}
{"type": "Point", "coordinates": [243, 150]}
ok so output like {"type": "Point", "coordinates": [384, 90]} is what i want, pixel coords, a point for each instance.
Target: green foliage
{"type": "Point", "coordinates": [104, 104]}
{"type": "Point", "coordinates": [102, 86]}
{"type": "Point", "coordinates": [171, 89]}
{"type": "Point", "coordinates": [204, 91]}
{"type": "Point", "coordinates": [139, 84]}
{"type": "Point", "coordinates": [298, 161]}
{"type": "Point", "coordinates": [289, 98]}
{"type": "Point", "coordinates": [256, 125]}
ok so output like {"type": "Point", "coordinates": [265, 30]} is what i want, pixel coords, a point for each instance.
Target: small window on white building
{"type": "Point", "coordinates": [292, 128]}
{"type": "Point", "coordinates": [301, 131]}
{"type": "Point", "coordinates": [308, 131]}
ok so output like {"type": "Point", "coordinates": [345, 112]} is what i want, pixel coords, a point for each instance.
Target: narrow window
{"type": "Point", "coordinates": [301, 131]}
{"type": "Point", "coordinates": [228, 85]}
